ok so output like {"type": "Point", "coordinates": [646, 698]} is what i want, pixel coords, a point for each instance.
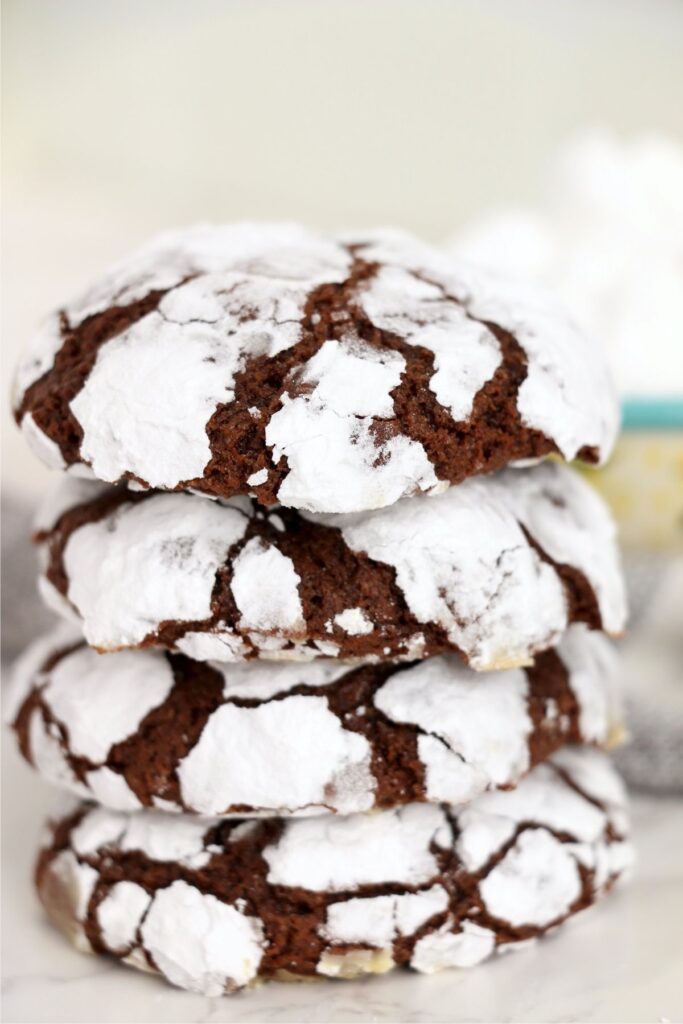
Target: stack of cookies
{"type": "Point", "coordinates": [332, 684]}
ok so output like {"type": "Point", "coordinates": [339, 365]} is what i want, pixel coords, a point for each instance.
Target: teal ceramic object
{"type": "Point", "coordinates": [652, 413]}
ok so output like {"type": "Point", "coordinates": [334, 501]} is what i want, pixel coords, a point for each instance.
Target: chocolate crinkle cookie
{"type": "Point", "coordinates": [328, 374]}
{"type": "Point", "coordinates": [215, 905]}
{"type": "Point", "coordinates": [152, 729]}
{"type": "Point", "coordinates": [495, 570]}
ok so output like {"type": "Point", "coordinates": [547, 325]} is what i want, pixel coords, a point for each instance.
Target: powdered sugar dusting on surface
{"type": "Point", "coordinates": [378, 920]}
{"type": "Point", "coordinates": [574, 526]}
{"type": "Point", "coordinates": [111, 789]}
{"type": "Point", "coordinates": [450, 947]}
{"type": "Point", "coordinates": [38, 358]}
{"type": "Point", "coordinates": [233, 293]}
{"type": "Point", "coordinates": [287, 754]}
{"type": "Point", "coordinates": [463, 561]}
{"type": "Point", "coordinates": [271, 251]}
{"type": "Point", "coordinates": [229, 295]}
{"type": "Point", "coordinates": [481, 724]}
{"type": "Point", "coordinates": [568, 393]}
{"type": "Point", "coordinates": [119, 914]}
{"type": "Point", "coordinates": [466, 353]}
{"type": "Point", "coordinates": [493, 819]}
{"type": "Point", "coordinates": [354, 621]}
{"type": "Point", "coordinates": [70, 492]}
{"type": "Point", "coordinates": [48, 757]}
{"type": "Point", "coordinates": [536, 882]}
{"type": "Point", "coordinates": [160, 836]}
{"type": "Point", "coordinates": [146, 563]}
{"type": "Point", "coordinates": [25, 672]}
{"type": "Point", "coordinates": [112, 696]}
{"type": "Point", "coordinates": [41, 445]}
{"type": "Point", "coordinates": [222, 645]}
{"type": "Point", "coordinates": [265, 586]}
{"type": "Point", "coordinates": [593, 773]}
{"type": "Point", "coordinates": [593, 664]}
{"type": "Point", "coordinates": [343, 853]}
{"type": "Point", "coordinates": [292, 755]}
{"type": "Point", "coordinates": [79, 880]}
{"type": "Point", "coordinates": [262, 680]}
{"type": "Point", "coordinates": [218, 948]}
{"type": "Point", "coordinates": [257, 478]}
{"type": "Point", "coordinates": [460, 912]}
{"type": "Point", "coordinates": [326, 433]}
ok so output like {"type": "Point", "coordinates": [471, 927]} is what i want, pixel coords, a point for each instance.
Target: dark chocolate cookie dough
{"type": "Point", "coordinates": [152, 729]}
{"type": "Point", "coordinates": [215, 905]}
{"type": "Point", "coordinates": [326, 374]}
{"type": "Point", "coordinates": [494, 569]}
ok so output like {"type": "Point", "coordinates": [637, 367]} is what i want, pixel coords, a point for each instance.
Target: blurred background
{"type": "Point", "coordinates": [541, 136]}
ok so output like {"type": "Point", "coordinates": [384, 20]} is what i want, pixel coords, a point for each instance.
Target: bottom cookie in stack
{"type": "Point", "coordinates": [215, 904]}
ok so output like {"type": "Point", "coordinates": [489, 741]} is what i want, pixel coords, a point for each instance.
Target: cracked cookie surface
{"type": "Point", "coordinates": [495, 569]}
{"type": "Point", "coordinates": [329, 374]}
{"type": "Point", "coordinates": [147, 728]}
{"type": "Point", "coordinates": [213, 905]}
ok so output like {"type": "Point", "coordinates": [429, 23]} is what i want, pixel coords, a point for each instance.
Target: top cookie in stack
{"type": "Point", "coordinates": [326, 393]}
{"type": "Point", "coordinates": [322, 374]}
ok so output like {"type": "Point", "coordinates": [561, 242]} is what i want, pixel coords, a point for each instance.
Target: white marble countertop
{"type": "Point", "coordinates": [620, 962]}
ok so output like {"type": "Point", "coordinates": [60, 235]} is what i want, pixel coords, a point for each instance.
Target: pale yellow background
{"type": "Point", "coordinates": [122, 117]}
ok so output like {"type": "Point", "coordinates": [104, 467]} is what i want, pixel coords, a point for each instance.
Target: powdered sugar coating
{"type": "Point", "coordinates": [244, 755]}
{"type": "Point", "coordinates": [334, 854]}
{"type": "Point", "coordinates": [119, 915]}
{"type": "Point", "coordinates": [482, 724]}
{"type": "Point", "coordinates": [169, 444]}
{"type": "Point", "coordinates": [477, 567]}
{"type": "Point", "coordinates": [593, 666]}
{"type": "Point", "coordinates": [159, 836]}
{"type": "Point", "coordinates": [41, 445]}
{"type": "Point", "coordinates": [26, 670]}
{"type": "Point", "coordinates": [111, 789]}
{"type": "Point", "coordinates": [493, 819]}
{"type": "Point", "coordinates": [473, 560]}
{"type": "Point", "coordinates": [466, 353]}
{"type": "Point", "coordinates": [197, 309]}
{"type": "Point", "coordinates": [560, 512]}
{"type": "Point", "coordinates": [37, 359]}
{"type": "Point", "coordinates": [265, 586]}
{"type": "Point", "coordinates": [378, 920]}
{"type": "Point", "coordinates": [155, 560]}
{"type": "Point", "coordinates": [354, 621]}
{"type": "Point", "coordinates": [566, 394]}
{"type": "Point", "coordinates": [79, 881]}
{"type": "Point", "coordinates": [263, 680]}
{"type": "Point", "coordinates": [298, 739]}
{"type": "Point", "coordinates": [216, 931]}
{"type": "Point", "coordinates": [217, 949]}
{"type": "Point", "coordinates": [513, 890]}
{"type": "Point", "coordinates": [326, 434]}
{"type": "Point", "coordinates": [449, 947]}
{"type": "Point", "coordinates": [49, 758]}
{"type": "Point", "coordinates": [128, 686]}
{"type": "Point", "coordinates": [144, 407]}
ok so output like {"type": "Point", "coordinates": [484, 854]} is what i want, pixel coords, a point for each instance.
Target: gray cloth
{"type": "Point", "coordinates": [652, 653]}
{"type": "Point", "coordinates": [652, 659]}
{"type": "Point", "coordinates": [23, 615]}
